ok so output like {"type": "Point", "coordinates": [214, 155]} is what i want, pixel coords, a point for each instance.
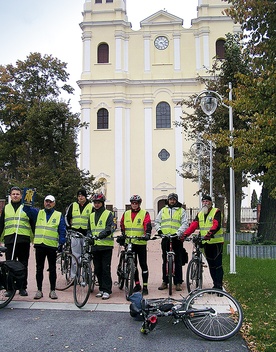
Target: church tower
{"type": "Point", "coordinates": [130, 84]}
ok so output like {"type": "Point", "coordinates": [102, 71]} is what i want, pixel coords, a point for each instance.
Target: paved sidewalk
{"type": "Point", "coordinates": [117, 301]}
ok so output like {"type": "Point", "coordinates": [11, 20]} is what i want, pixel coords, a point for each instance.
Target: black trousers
{"type": "Point", "coordinates": [41, 252]}
{"type": "Point", "coordinates": [141, 254]}
{"type": "Point", "coordinates": [21, 253]}
{"type": "Point", "coordinates": [213, 253]}
{"type": "Point", "coordinates": [177, 248]}
{"type": "Point", "coordinates": [102, 263]}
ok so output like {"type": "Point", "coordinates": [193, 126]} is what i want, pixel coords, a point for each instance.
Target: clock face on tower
{"type": "Point", "coordinates": [161, 42]}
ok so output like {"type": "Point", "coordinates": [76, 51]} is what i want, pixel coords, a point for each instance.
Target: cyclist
{"type": "Point", "coordinates": [209, 221]}
{"type": "Point", "coordinates": [76, 218]}
{"type": "Point", "coordinates": [136, 222]}
{"type": "Point", "coordinates": [172, 219]}
{"type": "Point", "coordinates": [100, 223]}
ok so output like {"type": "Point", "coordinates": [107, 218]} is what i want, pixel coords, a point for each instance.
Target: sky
{"type": "Point", "coordinates": [52, 27]}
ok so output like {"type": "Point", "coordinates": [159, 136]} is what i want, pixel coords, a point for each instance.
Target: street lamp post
{"type": "Point", "coordinates": [208, 102]}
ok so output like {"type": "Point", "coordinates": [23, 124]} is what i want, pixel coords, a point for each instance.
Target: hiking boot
{"type": "Point", "coordinates": [163, 286]}
{"type": "Point", "coordinates": [105, 295]}
{"type": "Point", "coordinates": [178, 287]}
{"type": "Point", "coordinates": [99, 294]}
{"type": "Point", "coordinates": [53, 295]}
{"type": "Point", "coordinates": [23, 292]}
{"type": "Point", "coordinates": [38, 294]}
{"type": "Point", "coordinates": [137, 288]}
{"type": "Point", "coordinates": [145, 291]}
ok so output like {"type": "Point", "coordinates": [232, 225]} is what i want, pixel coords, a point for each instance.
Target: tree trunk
{"type": "Point", "coordinates": [267, 223]}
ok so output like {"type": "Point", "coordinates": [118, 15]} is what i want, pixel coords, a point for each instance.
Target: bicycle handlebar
{"type": "Point", "coordinates": [161, 235]}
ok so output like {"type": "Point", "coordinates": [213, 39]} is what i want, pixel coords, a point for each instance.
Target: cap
{"type": "Point", "coordinates": [173, 196]}
{"type": "Point", "coordinates": [51, 198]}
{"type": "Point", "coordinates": [206, 197]}
{"type": "Point", "coordinates": [82, 192]}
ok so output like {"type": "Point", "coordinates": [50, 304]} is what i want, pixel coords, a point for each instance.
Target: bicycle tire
{"type": "Point", "coordinates": [64, 263]}
{"type": "Point", "coordinates": [222, 322]}
{"type": "Point", "coordinates": [121, 271]}
{"type": "Point", "coordinates": [194, 275]}
{"type": "Point", "coordinates": [129, 282]}
{"type": "Point", "coordinates": [93, 276]}
{"type": "Point", "coordinates": [170, 273]}
{"type": "Point", "coordinates": [4, 301]}
{"type": "Point", "coordinates": [82, 285]}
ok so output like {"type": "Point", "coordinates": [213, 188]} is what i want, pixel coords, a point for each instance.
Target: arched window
{"type": "Point", "coordinates": [163, 115]}
{"type": "Point", "coordinates": [103, 53]}
{"type": "Point", "coordinates": [102, 119]}
{"type": "Point", "coordinates": [220, 49]}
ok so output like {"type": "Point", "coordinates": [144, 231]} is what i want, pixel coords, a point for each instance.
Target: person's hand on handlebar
{"type": "Point", "coordinates": [146, 237]}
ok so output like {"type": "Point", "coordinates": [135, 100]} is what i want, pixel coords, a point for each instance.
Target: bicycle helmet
{"type": "Point", "coordinates": [135, 198]}
{"type": "Point", "coordinates": [173, 195]}
{"type": "Point", "coordinates": [99, 197]}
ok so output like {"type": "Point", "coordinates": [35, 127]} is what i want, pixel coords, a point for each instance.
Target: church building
{"type": "Point", "coordinates": [131, 82]}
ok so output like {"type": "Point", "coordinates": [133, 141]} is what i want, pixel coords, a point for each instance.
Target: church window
{"type": "Point", "coordinates": [98, 1]}
{"type": "Point", "coordinates": [163, 115]}
{"type": "Point", "coordinates": [109, 0]}
{"type": "Point", "coordinates": [103, 53]}
{"type": "Point", "coordinates": [163, 155]}
{"type": "Point", "coordinates": [102, 119]}
{"type": "Point", "coordinates": [220, 49]}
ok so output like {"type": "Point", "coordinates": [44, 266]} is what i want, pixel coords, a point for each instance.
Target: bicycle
{"type": "Point", "coordinates": [7, 284]}
{"type": "Point", "coordinates": [210, 313]}
{"type": "Point", "coordinates": [66, 264]}
{"type": "Point", "coordinates": [194, 274]}
{"type": "Point", "coordinates": [126, 267]}
{"type": "Point", "coordinates": [170, 262]}
{"type": "Point", "coordinates": [84, 281]}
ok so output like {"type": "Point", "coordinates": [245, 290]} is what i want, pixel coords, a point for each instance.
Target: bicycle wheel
{"type": "Point", "coordinates": [66, 265]}
{"type": "Point", "coordinates": [213, 314]}
{"type": "Point", "coordinates": [194, 275]}
{"type": "Point", "coordinates": [93, 276]}
{"type": "Point", "coordinates": [82, 285]}
{"type": "Point", "coordinates": [121, 271]}
{"type": "Point", "coordinates": [170, 273]}
{"type": "Point", "coordinates": [129, 282]}
{"type": "Point", "coordinates": [6, 286]}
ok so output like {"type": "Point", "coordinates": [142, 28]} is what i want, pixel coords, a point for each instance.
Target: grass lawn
{"type": "Point", "coordinates": [254, 285]}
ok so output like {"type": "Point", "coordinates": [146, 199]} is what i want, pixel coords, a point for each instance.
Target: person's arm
{"type": "Point", "coordinates": [2, 223]}
{"type": "Point", "coordinates": [108, 227]}
{"type": "Point", "coordinates": [62, 230]}
{"type": "Point", "coordinates": [147, 224]}
{"type": "Point", "coordinates": [158, 221]}
{"type": "Point", "coordinates": [31, 213]}
{"type": "Point", "coordinates": [122, 224]}
{"type": "Point", "coordinates": [184, 223]}
{"type": "Point", "coordinates": [216, 224]}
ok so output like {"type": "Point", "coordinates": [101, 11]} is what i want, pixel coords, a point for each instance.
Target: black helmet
{"type": "Point", "coordinates": [135, 198]}
{"type": "Point", "coordinates": [173, 195]}
{"type": "Point", "coordinates": [98, 197]}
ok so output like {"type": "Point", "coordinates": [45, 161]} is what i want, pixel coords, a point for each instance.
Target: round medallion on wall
{"type": "Point", "coordinates": [161, 42]}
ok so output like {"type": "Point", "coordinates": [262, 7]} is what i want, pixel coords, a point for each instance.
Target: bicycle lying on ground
{"type": "Point", "coordinates": [210, 313]}
{"type": "Point", "coordinates": [126, 267]}
{"type": "Point", "coordinates": [170, 262]}
{"type": "Point", "coordinates": [194, 273]}
{"type": "Point", "coordinates": [66, 265]}
{"type": "Point", "coordinates": [11, 274]}
{"type": "Point", "coordinates": [84, 281]}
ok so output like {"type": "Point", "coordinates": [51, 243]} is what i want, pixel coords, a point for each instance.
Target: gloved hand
{"type": "Point", "coordinates": [207, 237]}
{"type": "Point", "coordinates": [120, 240]}
{"type": "Point", "coordinates": [102, 235]}
{"type": "Point", "coordinates": [182, 236]}
{"type": "Point", "coordinates": [60, 248]}
{"type": "Point", "coordinates": [160, 232]}
{"type": "Point", "coordinates": [146, 237]}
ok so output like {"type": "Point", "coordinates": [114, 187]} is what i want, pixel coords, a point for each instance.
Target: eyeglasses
{"type": "Point", "coordinates": [134, 203]}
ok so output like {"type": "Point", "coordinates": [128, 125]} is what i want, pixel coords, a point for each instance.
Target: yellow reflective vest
{"type": "Point", "coordinates": [170, 224]}
{"type": "Point", "coordinates": [16, 221]}
{"type": "Point", "coordinates": [135, 228]}
{"type": "Point", "coordinates": [80, 220]}
{"type": "Point", "coordinates": [101, 225]}
{"type": "Point", "coordinates": [205, 225]}
{"type": "Point", "coordinates": [47, 232]}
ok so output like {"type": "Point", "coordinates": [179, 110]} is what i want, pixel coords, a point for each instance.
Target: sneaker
{"type": "Point", "coordinates": [178, 287]}
{"type": "Point", "coordinates": [145, 291]}
{"type": "Point", "coordinates": [53, 295]}
{"type": "Point", "coordinates": [8, 293]}
{"type": "Point", "coordinates": [137, 288]}
{"type": "Point", "coordinates": [100, 294]}
{"type": "Point", "coordinates": [105, 295]}
{"type": "Point", "coordinates": [23, 292]}
{"type": "Point", "coordinates": [38, 295]}
{"type": "Point", "coordinates": [163, 286]}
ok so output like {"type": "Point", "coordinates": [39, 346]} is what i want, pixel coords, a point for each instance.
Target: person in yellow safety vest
{"type": "Point", "coordinates": [76, 218]}
{"type": "Point", "coordinates": [172, 219]}
{"type": "Point", "coordinates": [209, 222]}
{"type": "Point", "coordinates": [100, 224]}
{"type": "Point", "coordinates": [50, 232]}
{"type": "Point", "coordinates": [15, 225]}
{"type": "Point", "coordinates": [136, 222]}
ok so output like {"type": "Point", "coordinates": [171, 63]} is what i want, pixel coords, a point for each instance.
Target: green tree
{"type": "Point", "coordinates": [255, 103]}
{"type": "Point", "coordinates": [254, 199]}
{"type": "Point", "coordinates": [38, 144]}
